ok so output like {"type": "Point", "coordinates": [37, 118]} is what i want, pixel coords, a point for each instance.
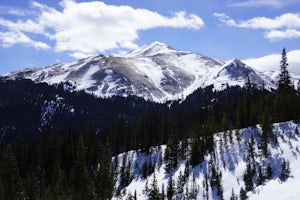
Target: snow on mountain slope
{"type": "Point", "coordinates": [235, 72]}
{"type": "Point", "coordinates": [230, 155]}
{"type": "Point", "coordinates": [155, 72]}
{"type": "Point", "coordinates": [274, 75]}
{"type": "Point", "coordinates": [151, 49]}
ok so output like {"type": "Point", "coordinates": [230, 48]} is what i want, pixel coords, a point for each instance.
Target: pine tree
{"type": "Point", "coordinates": [248, 177]}
{"type": "Point", "coordinates": [144, 170]}
{"type": "Point", "coordinates": [104, 177]}
{"type": "Point", "coordinates": [32, 181]}
{"type": "Point", "coordinates": [215, 181]}
{"type": "Point", "coordinates": [154, 191]}
{"type": "Point", "coordinates": [163, 195]}
{"type": "Point", "coordinates": [125, 173]}
{"type": "Point", "coordinates": [197, 154]}
{"type": "Point", "coordinates": [9, 173]}
{"type": "Point", "coordinates": [82, 184]}
{"type": "Point", "coordinates": [58, 190]}
{"type": "Point", "coordinates": [243, 194]}
{"type": "Point", "coordinates": [285, 170]}
{"type": "Point", "coordinates": [194, 189]}
{"type": "Point", "coordinates": [180, 183]}
{"type": "Point", "coordinates": [135, 195]}
{"type": "Point", "coordinates": [285, 96]}
{"type": "Point", "coordinates": [266, 120]}
{"type": "Point", "coordinates": [261, 177]}
{"type": "Point", "coordinates": [284, 76]}
{"type": "Point", "coordinates": [170, 188]}
{"type": "Point", "coordinates": [171, 154]}
{"type": "Point", "coordinates": [269, 172]}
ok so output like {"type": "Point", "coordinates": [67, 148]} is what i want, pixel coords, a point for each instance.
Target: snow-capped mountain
{"type": "Point", "coordinates": [235, 72]}
{"type": "Point", "coordinates": [233, 152]}
{"type": "Point", "coordinates": [155, 72]}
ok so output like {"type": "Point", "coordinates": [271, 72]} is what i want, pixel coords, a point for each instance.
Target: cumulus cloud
{"type": "Point", "coordinates": [272, 62]}
{"type": "Point", "coordinates": [87, 28]}
{"type": "Point", "coordinates": [280, 27]}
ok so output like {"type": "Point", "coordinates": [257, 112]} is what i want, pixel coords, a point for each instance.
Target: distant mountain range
{"type": "Point", "coordinates": [155, 72]}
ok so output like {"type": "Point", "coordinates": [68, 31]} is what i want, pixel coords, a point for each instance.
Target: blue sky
{"type": "Point", "coordinates": [39, 33]}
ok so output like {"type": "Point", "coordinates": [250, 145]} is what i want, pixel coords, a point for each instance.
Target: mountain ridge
{"type": "Point", "coordinates": [155, 72]}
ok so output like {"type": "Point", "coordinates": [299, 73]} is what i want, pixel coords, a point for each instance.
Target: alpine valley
{"type": "Point", "coordinates": [154, 123]}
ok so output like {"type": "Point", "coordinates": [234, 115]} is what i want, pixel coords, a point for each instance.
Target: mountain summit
{"type": "Point", "coordinates": [152, 49]}
{"type": "Point", "coordinates": [235, 72]}
{"type": "Point", "coordinates": [155, 72]}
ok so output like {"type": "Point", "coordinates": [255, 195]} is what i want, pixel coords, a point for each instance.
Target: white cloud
{"type": "Point", "coordinates": [87, 28]}
{"type": "Point", "coordinates": [11, 38]}
{"type": "Point", "coordinates": [263, 3]}
{"type": "Point", "coordinates": [12, 10]}
{"type": "Point", "coordinates": [225, 19]}
{"type": "Point", "coordinates": [286, 26]}
{"type": "Point", "coordinates": [278, 34]}
{"type": "Point", "coordinates": [288, 20]}
{"type": "Point", "coordinates": [272, 62]}
{"type": "Point", "coordinates": [22, 26]}
{"type": "Point", "coordinates": [79, 55]}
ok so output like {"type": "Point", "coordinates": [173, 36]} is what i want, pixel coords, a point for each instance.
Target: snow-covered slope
{"type": "Point", "coordinates": [155, 72]}
{"type": "Point", "coordinates": [229, 158]}
{"type": "Point", "coordinates": [235, 72]}
{"type": "Point", "coordinates": [152, 49]}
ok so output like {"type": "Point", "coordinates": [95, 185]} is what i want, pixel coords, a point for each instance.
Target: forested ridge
{"type": "Point", "coordinates": [71, 158]}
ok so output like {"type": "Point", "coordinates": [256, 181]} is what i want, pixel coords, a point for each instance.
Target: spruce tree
{"type": "Point", "coordinates": [82, 184]}
{"type": "Point", "coordinates": [243, 194]}
{"type": "Point", "coordinates": [154, 191]}
{"type": "Point", "coordinates": [261, 176]}
{"type": "Point", "coordinates": [284, 76]}
{"type": "Point", "coordinates": [285, 96]}
{"type": "Point", "coordinates": [171, 154]}
{"type": "Point", "coordinates": [58, 186]}
{"type": "Point", "coordinates": [9, 173]}
{"type": "Point", "coordinates": [285, 170]}
{"type": "Point", "coordinates": [124, 179]}
{"type": "Point", "coordinates": [248, 177]}
{"type": "Point", "coordinates": [266, 120]}
{"type": "Point", "coordinates": [215, 181]}
{"type": "Point", "coordinates": [170, 188]}
{"type": "Point", "coordinates": [197, 154]}
{"type": "Point", "coordinates": [180, 183]}
{"type": "Point", "coordinates": [194, 190]}
{"type": "Point", "coordinates": [104, 176]}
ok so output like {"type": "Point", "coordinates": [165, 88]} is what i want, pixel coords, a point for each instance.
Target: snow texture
{"type": "Point", "coordinates": [231, 150]}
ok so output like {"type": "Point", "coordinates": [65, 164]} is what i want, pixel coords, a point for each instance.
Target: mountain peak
{"type": "Point", "coordinates": [234, 73]}
{"type": "Point", "coordinates": [151, 49]}
{"type": "Point", "coordinates": [235, 61]}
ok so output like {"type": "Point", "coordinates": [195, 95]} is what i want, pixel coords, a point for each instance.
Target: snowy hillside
{"type": "Point", "coordinates": [155, 72]}
{"type": "Point", "coordinates": [235, 72]}
{"type": "Point", "coordinates": [234, 152]}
